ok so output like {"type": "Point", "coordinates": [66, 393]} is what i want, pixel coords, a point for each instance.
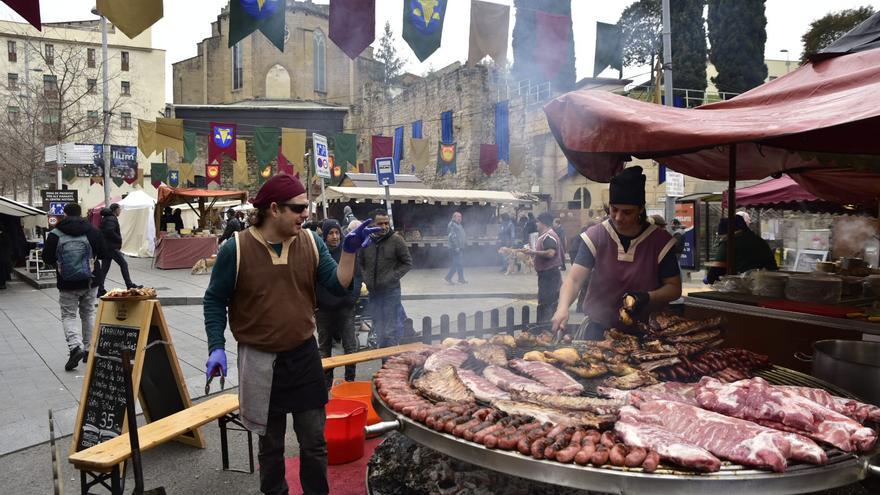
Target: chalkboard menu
{"type": "Point", "coordinates": [104, 407]}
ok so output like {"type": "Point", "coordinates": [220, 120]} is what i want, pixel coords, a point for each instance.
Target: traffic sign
{"type": "Point", "coordinates": [322, 156]}
{"type": "Point", "coordinates": [385, 171]}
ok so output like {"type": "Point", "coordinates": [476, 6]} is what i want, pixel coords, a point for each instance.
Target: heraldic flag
{"type": "Point", "coordinates": [212, 174]}
{"type": "Point", "coordinates": [353, 25]}
{"type": "Point", "coordinates": [221, 142]}
{"type": "Point", "coordinates": [174, 178]}
{"type": "Point", "coordinates": [446, 156]}
{"type": "Point", "coordinates": [246, 16]}
{"type": "Point", "coordinates": [423, 25]}
{"type": "Point", "coordinates": [29, 9]}
{"type": "Point", "coordinates": [132, 17]}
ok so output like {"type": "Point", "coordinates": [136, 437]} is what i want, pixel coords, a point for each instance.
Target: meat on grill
{"type": "Point", "coordinates": [545, 414]}
{"type": "Point", "coordinates": [756, 400]}
{"type": "Point", "coordinates": [674, 391]}
{"type": "Point", "coordinates": [508, 380]}
{"type": "Point", "coordinates": [443, 385]}
{"type": "Point", "coordinates": [695, 337]}
{"type": "Point", "coordinates": [685, 326]}
{"type": "Point", "coordinates": [491, 354]}
{"type": "Point", "coordinates": [452, 356]}
{"type": "Point", "coordinates": [668, 445]}
{"type": "Point", "coordinates": [590, 404]}
{"type": "Point", "coordinates": [851, 408]}
{"type": "Point", "coordinates": [548, 375]}
{"type": "Point", "coordinates": [482, 389]}
{"type": "Point", "coordinates": [630, 381]}
{"type": "Point", "coordinates": [734, 439]}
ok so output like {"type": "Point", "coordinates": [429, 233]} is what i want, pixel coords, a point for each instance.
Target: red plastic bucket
{"type": "Point", "coordinates": [344, 430]}
{"type": "Point", "coordinates": [359, 391]}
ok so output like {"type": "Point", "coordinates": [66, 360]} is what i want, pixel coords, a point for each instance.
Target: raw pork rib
{"type": "Point", "coordinates": [854, 409]}
{"type": "Point", "coordinates": [508, 380]}
{"type": "Point", "coordinates": [482, 389]}
{"type": "Point", "coordinates": [756, 400]}
{"type": "Point", "coordinates": [451, 356]}
{"type": "Point", "coordinates": [549, 375]}
{"type": "Point", "coordinates": [738, 440]}
{"type": "Point", "coordinates": [670, 446]}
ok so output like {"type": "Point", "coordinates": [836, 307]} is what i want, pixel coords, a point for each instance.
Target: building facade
{"type": "Point", "coordinates": [52, 82]}
{"type": "Point", "coordinates": [311, 67]}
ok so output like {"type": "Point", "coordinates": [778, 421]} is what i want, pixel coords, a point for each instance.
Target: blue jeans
{"type": "Point", "coordinates": [383, 308]}
{"type": "Point", "coordinates": [457, 265]}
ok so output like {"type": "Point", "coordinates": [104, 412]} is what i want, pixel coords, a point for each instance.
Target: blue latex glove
{"type": "Point", "coordinates": [216, 360]}
{"type": "Point", "coordinates": [360, 237]}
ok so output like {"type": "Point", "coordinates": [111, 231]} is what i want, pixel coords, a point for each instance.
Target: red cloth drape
{"type": "Point", "coordinates": [382, 147]}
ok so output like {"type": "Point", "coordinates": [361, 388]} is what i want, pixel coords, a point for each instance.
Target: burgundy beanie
{"type": "Point", "coordinates": [279, 188]}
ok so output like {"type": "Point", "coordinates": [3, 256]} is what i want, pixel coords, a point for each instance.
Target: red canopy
{"type": "Point", "coordinates": [772, 192]}
{"type": "Point", "coordinates": [170, 195]}
{"type": "Point", "coordinates": [816, 123]}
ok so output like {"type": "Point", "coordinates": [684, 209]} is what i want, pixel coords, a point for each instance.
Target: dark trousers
{"type": "Point", "coordinates": [309, 428]}
{"type": "Point", "coordinates": [457, 265]}
{"type": "Point", "coordinates": [116, 256]}
{"type": "Point", "coordinates": [383, 309]}
{"type": "Point", "coordinates": [337, 322]}
{"type": "Point", "coordinates": [549, 282]}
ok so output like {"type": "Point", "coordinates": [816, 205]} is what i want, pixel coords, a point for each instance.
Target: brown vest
{"type": "Point", "coordinates": [272, 307]}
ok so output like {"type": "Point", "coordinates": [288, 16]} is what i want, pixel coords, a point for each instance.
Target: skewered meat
{"type": "Point", "coordinates": [757, 400]}
{"type": "Point", "coordinates": [669, 446]}
{"type": "Point", "coordinates": [452, 356]}
{"type": "Point", "coordinates": [503, 339]}
{"type": "Point", "coordinates": [565, 355]}
{"type": "Point", "coordinates": [554, 416]}
{"type": "Point", "coordinates": [535, 356]}
{"type": "Point", "coordinates": [695, 337]}
{"type": "Point", "coordinates": [491, 354]}
{"type": "Point", "coordinates": [685, 326]}
{"type": "Point", "coordinates": [507, 380]}
{"type": "Point", "coordinates": [482, 389]}
{"type": "Point", "coordinates": [594, 405]}
{"type": "Point", "coordinates": [630, 381]}
{"type": "Point", "coordinates": [588, 370]}
{"type": "Point", "coordinates": [548, 375]}
{"type": "Point", "coordinates": [443, 385]}
{"type": "Point", "coordinates": [851, 408]}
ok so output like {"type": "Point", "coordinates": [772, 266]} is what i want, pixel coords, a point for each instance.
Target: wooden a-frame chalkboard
{"type": "Point", "coordinates": [157, 379]}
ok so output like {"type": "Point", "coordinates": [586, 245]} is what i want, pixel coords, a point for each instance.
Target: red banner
{"type": "Point", "coordinates": [212, 174]}
{"type": "Point", "coordinates": [284, 166]}
{"type": "Point", "coordinates": [221, 142]}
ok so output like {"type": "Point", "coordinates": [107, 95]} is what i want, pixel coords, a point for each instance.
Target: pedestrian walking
{"type": "Point", "coordinates": [383, 264]}
{"type": "Point", "coordinates": [233, 225]}
{"type": "Point", "coordinates": [560, 232]}
{"type": "Point", "coordinates": [548, 260]}
{"type": "Point", "coordinates": [265, 278]}
{"type": "Point", "coordinates": [112, 246]}
{"type": "Point", "coordinates": [457, 241]}
{"type": "Point", "coordinates": [72, 248]}
{"type": "Point", "coordinates": [348, 216]}
{"type": "Point", "coordinates": [529, 228]}
{"type": "Point", "coordinates": [335, 314]}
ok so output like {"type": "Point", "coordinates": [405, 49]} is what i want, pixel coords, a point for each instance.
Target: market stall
{"type": "Point", "coordinates": [183, 249]}
{"type": "Point", "coordinates": [421, 215]}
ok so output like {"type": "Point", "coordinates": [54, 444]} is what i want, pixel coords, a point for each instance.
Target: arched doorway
{"type": "Point", "coordinates": [277, 83]}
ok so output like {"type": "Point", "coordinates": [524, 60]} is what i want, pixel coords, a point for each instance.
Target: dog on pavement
{"type": "Point", "coordinates": [204, 265]}
{"type": "Point", "coordinates": [514, 257]}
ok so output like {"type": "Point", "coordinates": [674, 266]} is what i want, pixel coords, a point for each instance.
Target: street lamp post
{"type": "Point", "coordinates": [787, 60]}
{"type": "Point", "coordinates": [105, 69]}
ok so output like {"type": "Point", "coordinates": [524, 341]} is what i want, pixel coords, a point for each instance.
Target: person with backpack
{"type": "Point", "coordinates": [72, 248]}
{"type": "Point", "coordinates": [112, 245]}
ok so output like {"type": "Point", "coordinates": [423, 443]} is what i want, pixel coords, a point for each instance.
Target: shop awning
{"type": "Point", "coordinates": [772, 192]}
{"type": "Point", "coordinates": [15, 209]}
{"type": "Point", "coordinates": [170, 195]}
{"type": "Point", "coordinates": [817, 123]}
{"type": "Point", "coordinates": [444, 196]}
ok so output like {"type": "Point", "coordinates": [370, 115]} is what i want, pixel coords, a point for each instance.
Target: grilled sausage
{"type": "Point", "coordinates": [585, 454]}
{"type": "Point", "coordinates": [608, 439]}
{"type": "Point", "coordinates": [636, 457]}
{"type": "Point", "coordinates": [651, 462]}
{"type": "Point", "coordinates": [594, 435]}
{"type": "Point", "coordinates": [524, 446]}
{"type": "Point", "coordinates": [567, 454]}
{"type": "Point", "coordinates": [600, 456]}
{"type": "Point", "coordinates": [480, 436]}
{"type": "Point", "coordinates": [509, 442]}
{"type": "Point", "coordinates": [538, 447]}
{"type": "Point", "coordinates": [617, 455]}
{"type": "Point", "coordinates": [460, 428]}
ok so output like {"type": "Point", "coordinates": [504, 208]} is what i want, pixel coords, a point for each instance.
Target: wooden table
{"type": "Point", "coordinates": [183, 252]}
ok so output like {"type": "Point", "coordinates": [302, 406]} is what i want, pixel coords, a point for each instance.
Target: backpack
{"type": "Point", "coordinates": [74, 257]}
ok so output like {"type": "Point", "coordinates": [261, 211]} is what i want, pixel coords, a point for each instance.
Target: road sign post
{"type": "Point", "coordinates": [385, 177]}
{"type": "Point", "coordinates": [322, 164]}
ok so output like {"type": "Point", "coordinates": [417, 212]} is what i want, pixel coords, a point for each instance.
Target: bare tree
{"type": "Point", "coordinates": [56, 100]}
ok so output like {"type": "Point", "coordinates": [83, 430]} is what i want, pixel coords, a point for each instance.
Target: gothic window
{"type": "Point", "coordinates": [237, 66]}
{"type": "Point", "coordinates": [320, 62]}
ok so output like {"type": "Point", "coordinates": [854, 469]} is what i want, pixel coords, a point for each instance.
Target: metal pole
{"type": "Point", "coordinates": [731, 211]}
{"type": "Point", "coordinates": [308, 181]}
{"type": "Point", "coordinates": [106, 142]}
{"type": "Point", "coordinates": [388, 206]}
{"type": "Point", "coordinates": [59, 160]}
{"type": "Point", "coordinates": [667, 53]}
{"type": "Point", "coordinates": [323, 200]}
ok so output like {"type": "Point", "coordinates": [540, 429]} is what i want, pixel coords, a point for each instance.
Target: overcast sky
{"type": "Point", "coordinates": [187, 22]}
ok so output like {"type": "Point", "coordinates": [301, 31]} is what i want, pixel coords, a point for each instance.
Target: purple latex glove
{"type": "Point", "coordinates": [360, 237]}
{"type": "Point", "coordinates": [216, 360]}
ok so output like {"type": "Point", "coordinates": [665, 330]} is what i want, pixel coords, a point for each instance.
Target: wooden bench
{"type": "Point", "coordinates": [100, 464]}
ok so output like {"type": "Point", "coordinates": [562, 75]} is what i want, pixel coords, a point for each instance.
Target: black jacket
{"type": "Point", "coordinates": [233, 225]}
{"type": "Point", "coordinates": [385, 262]}
{"type": "Point", "coordinates": [110, 231]}
{"type": "Point", "coordinates": [75, 226]}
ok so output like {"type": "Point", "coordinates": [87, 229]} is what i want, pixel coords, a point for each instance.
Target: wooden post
{"type": "Point", "coordinates": [511, 315]}
{"type": "Point", "coordinates": [525, 316]}
{"type": "Point", "coordinates": [461, 325]}
{"type": "Point", "coordinates": [731, 212]}
{"type": "Point", "coordinates": [478, 324]}
{"type": "Point", "coordinates": [426, 330]}
{"type": "Point", "coordinates": [444, 326]}
{"type": "Point", "coordinates": [494, 321]}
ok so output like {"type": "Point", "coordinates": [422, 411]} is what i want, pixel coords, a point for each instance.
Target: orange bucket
{"type": "Point", "coordinates": [359, 391]}
{"type": "Point", "coordinates": [344, 430]}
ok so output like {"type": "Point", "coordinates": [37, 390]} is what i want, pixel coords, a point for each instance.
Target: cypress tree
{"type": "Point", "coordinates": [737, 34]}
{"type": "Point", "coordinates": [524, 42]}
{"type": "Point", "coordinates": [689, 48]}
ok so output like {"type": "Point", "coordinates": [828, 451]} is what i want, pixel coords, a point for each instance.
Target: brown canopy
{"type": "Point", "coordinates": [173, 196]}
{"type": "Point", "coordinates": [818, 124]}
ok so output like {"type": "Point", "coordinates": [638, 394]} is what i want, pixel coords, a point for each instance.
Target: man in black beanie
{"type": "Point", "coordinates": [623, 256]}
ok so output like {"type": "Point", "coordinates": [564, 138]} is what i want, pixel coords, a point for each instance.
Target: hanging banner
{"type": "Point", "coordinates": [446, 158]}
{"type": "Point", "coordinates": [96, 168]}
{"type": "Point", "coordinates": [322, 156]}
{"type": "Point", "coordinates": [423, 25]}
{"type": "Point", "coordinates": [264, 173]}
{"type": "Point", "coordinates": [353, 25]}
{"type": "Point", "coordinates": [488, 158]}
{"type": "Point", "coordinates": [158, 174]}
{"type": "Point", "coordinates": [123, 163]}
{"type": "Point", "coordinates": [489, 27]}
{"type": "Point", "coordinates": [293, 147]}
{"type": "Point", "coordinates": [686, 234]}
{"type": "Point", "coordinates": [240, 167]}
{"type": "Point", "coordinates": [222, 142]}
{"type": "Point", "coordinates": [284, 166]}
{"type": "Point", "coordinates": [246, 16]}
{"type": "Point", "coordinates": [212, 174]}
{"type": "Point", "coordinates": [132, 17]}
{"type": "Point", "coordinates": [174, 178]}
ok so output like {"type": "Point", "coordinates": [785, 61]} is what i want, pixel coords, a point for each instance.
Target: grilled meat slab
{"type": "Point", "coordinates": [695, 337]}
{"type": "Point", "coordinates": [555, 416]}
{"type": "Point", "coordinates": [508, 380]}
{"type": "Point", "coordinates": [548, 375]}
{"type": "Point", "coordinates": [630, 381]}
{"type": "Point", "coordinates": [590, 404]}
{"type": "Point", "coordinates": [452, 356]}
{"type": "Point", "coordinates": [482, 388]}
{"type": "Point", "coordinates": [443, 385]}
{"type": "Point", "coordinates": [683, 327]}
{"type": "Point", "coordinates": [491, 354]}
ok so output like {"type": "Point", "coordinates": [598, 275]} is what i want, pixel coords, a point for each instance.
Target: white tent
{"type": "Point", "coordinates": [30, 216]}
{"type": "Point", "coordinates": [137, 224]}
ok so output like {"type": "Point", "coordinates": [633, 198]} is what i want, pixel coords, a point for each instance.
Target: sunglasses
{"type": "Point", "coordinates": [294, 207]}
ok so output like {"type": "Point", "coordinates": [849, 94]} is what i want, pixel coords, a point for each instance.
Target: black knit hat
{"type": "Point", "coordinates": [628, 187]}
{"type": "Point", "coordinates": [328, 225]}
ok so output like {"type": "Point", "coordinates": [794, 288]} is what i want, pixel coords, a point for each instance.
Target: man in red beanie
{"type": "Point", "coordinates": [265, 277]}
